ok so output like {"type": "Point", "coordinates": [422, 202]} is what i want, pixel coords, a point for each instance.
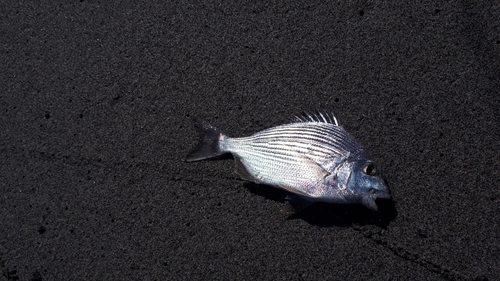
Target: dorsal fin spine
{"type": "Point", "coordinates": [318, 117]}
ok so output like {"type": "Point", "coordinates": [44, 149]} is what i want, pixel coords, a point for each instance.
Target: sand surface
{"type": "Point", "coordinates": [96, 100]}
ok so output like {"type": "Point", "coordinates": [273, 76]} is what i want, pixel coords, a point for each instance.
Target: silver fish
{"type": "Point", "coordinates": [312, 157]}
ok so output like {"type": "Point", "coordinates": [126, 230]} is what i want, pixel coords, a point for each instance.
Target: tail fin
{"type": "Point", "coordinates": [208, 144]}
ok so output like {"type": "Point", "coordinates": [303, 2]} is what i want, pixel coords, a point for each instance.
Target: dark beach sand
{"type": "Point", "coordinates": [95, 107]}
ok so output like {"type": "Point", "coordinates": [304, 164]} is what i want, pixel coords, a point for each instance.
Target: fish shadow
{"type": "Point", "coordinates": [329, 214]}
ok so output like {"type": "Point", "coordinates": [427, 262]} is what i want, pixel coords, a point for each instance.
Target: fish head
{"type": "Point", "coordinates": [366, 183]}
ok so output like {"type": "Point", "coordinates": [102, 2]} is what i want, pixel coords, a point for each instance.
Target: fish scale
{"type": "Point", "coordinates": [318, 137]}
{"type": "Point", "coordinates": [312, 157]}
{"type": "Point", "coordinates": [289, 168]}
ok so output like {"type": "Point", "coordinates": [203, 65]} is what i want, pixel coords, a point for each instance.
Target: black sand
{"type": "Point", "coordinates": [96, 101]}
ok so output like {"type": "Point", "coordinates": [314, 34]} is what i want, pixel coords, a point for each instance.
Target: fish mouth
{"type": "Point", "coordinates": [383, 192]}
{"type": "Point", "coordinates": [382, 195]}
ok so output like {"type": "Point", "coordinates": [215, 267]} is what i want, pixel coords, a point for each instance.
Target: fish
{"type": "Point", "coordinates": [312, 157]}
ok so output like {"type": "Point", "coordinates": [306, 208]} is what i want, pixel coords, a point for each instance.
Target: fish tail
{"type": "Point", "coordinates": [209, 142]}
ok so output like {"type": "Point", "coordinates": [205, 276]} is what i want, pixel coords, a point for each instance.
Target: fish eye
{"type": "Point", "coordinates": [369, 169]}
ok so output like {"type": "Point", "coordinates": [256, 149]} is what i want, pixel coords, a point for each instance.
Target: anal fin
{"type": "Point", "coordinates": [243, 172]}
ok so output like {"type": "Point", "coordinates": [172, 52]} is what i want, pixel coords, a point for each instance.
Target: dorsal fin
{"type": "Point", "coordinates": [318, 117]}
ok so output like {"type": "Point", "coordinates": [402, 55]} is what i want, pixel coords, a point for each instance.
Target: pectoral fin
{"type": "Point", "coordinates": [315, 168]}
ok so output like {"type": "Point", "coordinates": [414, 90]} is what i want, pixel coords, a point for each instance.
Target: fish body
{"type": "Point", "coordinates": [312, 157]}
